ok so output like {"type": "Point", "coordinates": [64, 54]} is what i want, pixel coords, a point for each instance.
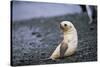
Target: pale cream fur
{"type": "Point", "coordinates": [70, 37]}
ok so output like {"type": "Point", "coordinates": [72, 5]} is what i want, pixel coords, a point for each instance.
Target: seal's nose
{"type": "Point", "coordinates": [61, 26]}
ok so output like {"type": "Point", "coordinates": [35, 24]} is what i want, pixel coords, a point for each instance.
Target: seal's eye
{"type": "Point", "coordinates": [65, 24]}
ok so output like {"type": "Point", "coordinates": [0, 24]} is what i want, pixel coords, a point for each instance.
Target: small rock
{"type": "Point", "coordinates": [91, 28]}
{"type": "Point", "coordinates": [42, 53]}
{"type": "Point", "coordinates": [31, 43]}
{"type": "Point", "coordinates": [39, 35]}
{"type": "Point", "coordinates": [33, 33]}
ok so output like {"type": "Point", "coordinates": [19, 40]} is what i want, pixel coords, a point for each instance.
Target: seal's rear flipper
{"type": "Point", "coordinates": [48, 59]}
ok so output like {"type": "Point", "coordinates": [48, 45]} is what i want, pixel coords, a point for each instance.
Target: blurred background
{"type": "Point", "coordinates": [27, 10]}
{"type": "Point", "coordinates": [36, 32]}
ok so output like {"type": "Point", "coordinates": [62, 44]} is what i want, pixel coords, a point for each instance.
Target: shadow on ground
{"type": "Point", "coordinates": [36, 39]}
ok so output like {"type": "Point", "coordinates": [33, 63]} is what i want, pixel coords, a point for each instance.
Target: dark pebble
{"type": "Point", "coordinates": [42, 53]}
{"type": "Point", "coordinates": [39, 35]}
{"type": "Point", "coordinates": [33, 33]}
{"type": "Point", "coordinates": [91, 28]}
{"type": "Point", "coordinates": [22, 61]}
{"type": "Point", "coordinates": [31, 43]}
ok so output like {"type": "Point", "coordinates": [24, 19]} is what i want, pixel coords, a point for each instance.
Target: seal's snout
{"type": "Point", "coordinates": [61, 26]}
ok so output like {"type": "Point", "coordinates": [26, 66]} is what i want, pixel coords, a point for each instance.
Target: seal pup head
{"type": "Point", "coordinates": [66, 25]}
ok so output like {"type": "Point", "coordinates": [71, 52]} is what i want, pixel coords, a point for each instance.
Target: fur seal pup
{"type": "Point", "coordinates": [69, 44]}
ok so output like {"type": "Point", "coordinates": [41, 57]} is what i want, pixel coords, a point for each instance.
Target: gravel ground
{"type": "Point", "coordinates": [36, 39]}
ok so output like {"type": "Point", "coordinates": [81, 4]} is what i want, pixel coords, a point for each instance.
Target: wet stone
{"type": "Point", "coordinates": [91, 28]}
{"type": "Point", "coordinates": [43, 53]}
{"type": "Point", "coordinates": [39, 35]}
{"type": "Point", "coordinates": [31, 43]}
{"type": "Point", "coordinates": [34, 33]}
